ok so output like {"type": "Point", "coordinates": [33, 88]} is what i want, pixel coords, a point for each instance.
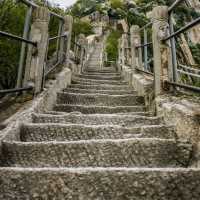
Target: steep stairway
{"type": "Point", "coordinates": [99, 143]}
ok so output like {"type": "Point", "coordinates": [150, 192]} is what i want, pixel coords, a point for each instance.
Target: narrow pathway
{"type": "Point", "coordinates": [99, 143]}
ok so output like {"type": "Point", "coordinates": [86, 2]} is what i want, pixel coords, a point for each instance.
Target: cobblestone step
{"type": "Point", "coordinates": [99, 77]}
{"type": "Point", "coordinates": [103, 74]}
{"type": "Point", "coordinates": [93, 70]}
{"type": "Point", "coordinates": [97, 153]}
{"type": "Point", "coordinates": [101, 87]}
{"type": "Point", "coordinates": [75, 132]}
{"type": "Point", "coordinates": [99, 99]}
{"type": "Point", "coordinates": [99, 183]}
{"type": "Point", "coordinates": [97, 119]}
{"type": "Point", "coordinates": [92, 109]}
{"type": "Point", "coordinates": [90, 81]}
{"type": "Point", "coordinates": [93, 91]}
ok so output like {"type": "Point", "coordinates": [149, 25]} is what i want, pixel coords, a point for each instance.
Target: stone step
{"type": "Point", "coordinates": [95, 82]}
{"type": "Point", "coordinates": [100, 87]}
{"type": "Point", "coordinates": [92, 109]}
{"type": "Point", "coordinates": [99, 183]}
{"type": "Point", "coordinates": [75, 132]}
{"type": "Point", "coordinates": [93, 91]}
{"type": "Point", "coordinates": [97, 153]}
{"type": "Point", "coordinates": [99, 77]}
{"type": "Point", "coordinates": [99, 99]}
{"type": "Point", "coordinates": [104, 74]}
{"type": "Point", "coordinates": [90, 70]}
{"type": "Point", "coordinates": [97, 119]}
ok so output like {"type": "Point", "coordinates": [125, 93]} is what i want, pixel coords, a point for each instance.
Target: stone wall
{"type": "Point", "coordinates": [142, 83]}
{"type": "Point", "coordinates": [184, 113]}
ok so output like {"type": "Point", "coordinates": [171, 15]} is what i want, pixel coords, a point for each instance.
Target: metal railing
{"type": "Point", "coordinates": [179, 69]}
{"type": "Point", "coordinates": [26, 41]}
{"type": "Point", "coordinates": [57, 58]}
{"type": "Point", "coordinates": [145, 51]}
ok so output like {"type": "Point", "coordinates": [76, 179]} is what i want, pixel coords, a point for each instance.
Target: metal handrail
{"type": "Point", "coordinates": [147, 25]}
{"type": "Point", "coordinates": [14, 37]}
{"type": "Point", "coordinates": [174, 5]}
{"type": "Point", "coordinates": [187, 87]}
{"type": "Point", "coordinates": [188, 73]}
{"type": "Point", "coordinates": [9, 91]}
{"type": "Point", "coordinates": [144, 45]}
{"type": "Point", "coordinates": [30, 3]}
{"type": "Point", "coordinates": [183, 29]}
{"type": "Point", "coordinates": [144, 71]}
{"type": "Point", "coordinates": [189, 68]}
{"type": "Point", "coordinates": [57, 37]}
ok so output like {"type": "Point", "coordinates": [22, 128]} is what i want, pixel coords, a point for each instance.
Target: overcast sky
{"type": "Point", "coordinates": [64, 3]}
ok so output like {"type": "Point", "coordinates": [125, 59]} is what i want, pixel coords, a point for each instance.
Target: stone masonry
{"type": "Point", "coordinates": [100, 142]}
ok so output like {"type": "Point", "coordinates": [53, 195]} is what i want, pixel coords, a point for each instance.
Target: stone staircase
{"type": "Point", "coordinates": [99, 143]}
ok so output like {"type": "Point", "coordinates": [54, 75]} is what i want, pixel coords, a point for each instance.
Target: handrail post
{"type": "Point", "coordinates": [160, 49]}
{"type": "Point", "coordinates": [136, 54]}
{"type": "Point", "coordinates": [173, 50]}
{"type": "Point", "coordinates": [123, 50]}
{"type": "Point", "coordinates": [23, 47]}
{"type": "Point", "coordinates": [126, 48]}
{"type": "Point", "coordinates": [59, 53]}
{"type": "Point", "coordinates": [145, 50]}
{"type": "Point", "coordinates": [119, 55]}
{"type": "Point", "coordinates": [67, 29]}
{"type": "Point", "coordinates": [81, 42]}
{"type": "Point", "coordinates": [35, 63]}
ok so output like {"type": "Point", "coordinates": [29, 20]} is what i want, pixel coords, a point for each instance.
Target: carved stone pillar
{"type": "Point", "coordinates": [67, 29]}
{"type": "Point", "coordinates": [82, 43]}
{"type": "Point", "coordinates": [126, 48]}
{"type": "Point", "coordinates": [136, 53]}
{"type": "Point", "coordinates": [36, 57]}
{"type": "Point", "coordinates": [160, 49]}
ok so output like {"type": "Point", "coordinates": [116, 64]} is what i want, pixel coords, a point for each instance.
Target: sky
{"type": "Point", "coordinates": [64, 3]}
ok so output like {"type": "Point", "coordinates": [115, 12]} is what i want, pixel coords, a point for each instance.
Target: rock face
{"type": "Point", "coordinates": [99, 143]}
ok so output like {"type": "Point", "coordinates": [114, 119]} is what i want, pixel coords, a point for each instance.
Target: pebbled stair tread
{"type": "Point", "coordinates": [74, 132]}
{"type": "Point", "coordinates": [97, 119]}
{"type": "Point", "coordinates": [86, 109]}
{"type": "Point", "coordinates": [99, 99]}
{"type": "Point", "coordinates": [100, 87]}
{"type": "Point", "coordinates": [94, 91]}
{"type": "Point", "coordinates": [98, 153]}
{"type": "Point", "coordinates": [93, 183]}
{"type": "Point", "coordinates": [99, 77]}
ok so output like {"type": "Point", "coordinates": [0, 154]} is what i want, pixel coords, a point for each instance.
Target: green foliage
{"type": "Point", "coordinates": [112, 45]}
{"type": "Point", "coordinates": [83, 27]}
{"type": "Point", "coordinates": [117, 4]}
{"type": "Point", "coordinates": [12, 20]}
{"type": "Point", "coordinates": [195, 52]}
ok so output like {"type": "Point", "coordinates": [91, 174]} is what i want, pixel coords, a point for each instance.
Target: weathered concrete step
{"type": "Point", "coordinates": [75, 132]}
{"type": "Point", "coordinates": [92, 109]}
{"type": "Point", "coordinates": [100, 87]}
{"type": "Point", "coordinates": [97, 119]}
{"type": "Point", "coordinates": [93, 91]}
{"type": "Point", "coordinates": [103, 183]}
{"type": "Point", "coordinates": [95, 82]}
{"type": "Point", "coordinates": [61, 113]}
{"type": "Point", "coordinates": [99, 183]}
{"type": "Point", "coordinates": [90, 70]}
{"type": "Point", "coordinates": [97, 153]}
{"type": "Point", "coordinates": [104, 74]}
{"type": "Point", "coordinates": [99, 77]}
{"type": "Point", "coordinates": [99, 99]}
